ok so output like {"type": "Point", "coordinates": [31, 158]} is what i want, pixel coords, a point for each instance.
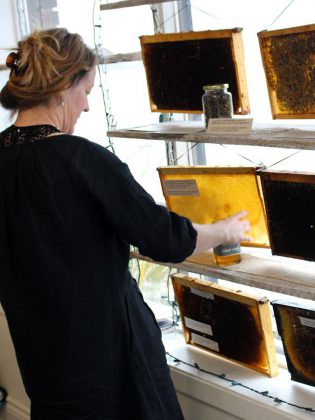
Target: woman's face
{"type": "Point", "coordinates": [75, 101]}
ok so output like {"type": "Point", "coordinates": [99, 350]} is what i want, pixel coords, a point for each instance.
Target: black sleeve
{"type": "Point", "coordinates": [130, 210]}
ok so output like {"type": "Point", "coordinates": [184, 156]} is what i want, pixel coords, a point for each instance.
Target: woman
{"type": "Point", "coordinates": [87, 345]}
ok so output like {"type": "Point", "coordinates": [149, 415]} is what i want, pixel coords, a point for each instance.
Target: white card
{"type": "Point", "coordinates": [228, 126]}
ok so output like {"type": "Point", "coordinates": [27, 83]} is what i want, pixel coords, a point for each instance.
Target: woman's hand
{"type": "Point", "coordinates": [233, 229]}
{"type": "Point", "coordinates": [236, 228]}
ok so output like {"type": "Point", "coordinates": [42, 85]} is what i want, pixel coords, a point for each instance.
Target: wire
{"type": "Point", "coordinates": [214, 17]}
{"type": "Point", "coordinates": [222, 145]}
{"type": "Point", "coordinates": [154, 16]}
{"type": "Point", "coordinates": [108, 114]}
{"type": "Point", "coordinates": [261, 164]}
{"type": "Point", "coordinates": [289, 4]}
{"type": "Point", "coordinates": [23, 26]}
{"type": "Point", "coordinates": [237, 383]}
{"type": "Point", "coordinates": [171, 272]}
{"type": "Point", "coordinates": [281, 160]}
{"type": "Point", "coordinates": [203, 11]}
{"type": "Point", "coordinates": [156, 25]}
{"type": "Point", "coordinates": [186, 153]}
{"type": "Point", "coordinates": [239, 154]}
{"type": "Point", "coordinates": [172, 303]}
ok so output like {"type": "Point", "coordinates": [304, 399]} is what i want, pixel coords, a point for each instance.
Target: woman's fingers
{"type": "Point", "coordinates": [239, 214]}
{"type": "Point", "coordinates": [241, 226]}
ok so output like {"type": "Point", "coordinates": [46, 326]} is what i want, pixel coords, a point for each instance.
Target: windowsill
{"type": "Point", "coordinates": [235, 400]}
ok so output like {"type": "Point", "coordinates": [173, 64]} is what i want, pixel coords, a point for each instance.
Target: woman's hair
{"type": "Point", "coordinates": [47, 62]}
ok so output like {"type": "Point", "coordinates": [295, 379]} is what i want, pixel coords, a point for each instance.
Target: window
{"type": "Point", "coordinates": [42, 14]}
{"type": "Point", "coordinates": [126, 97]}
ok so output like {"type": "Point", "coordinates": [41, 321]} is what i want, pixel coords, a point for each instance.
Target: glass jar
{"type": "Point", "coordinates": [227, 254]}
{"type": "Point", "coordinates": [217, 102]}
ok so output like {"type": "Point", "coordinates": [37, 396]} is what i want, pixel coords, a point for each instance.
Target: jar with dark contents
{"type": "Point", "coordinates": [217, 102]}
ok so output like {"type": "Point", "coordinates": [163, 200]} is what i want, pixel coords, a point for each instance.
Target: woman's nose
{"type": "Point", "coordinates": [86, 108]}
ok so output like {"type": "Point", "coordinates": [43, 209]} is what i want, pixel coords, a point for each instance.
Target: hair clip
{"type": "Point", "coordinates": [12, 61]}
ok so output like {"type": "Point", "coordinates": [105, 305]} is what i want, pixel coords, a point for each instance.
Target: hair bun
{"type": "Point", "coordinates": [12, 61]}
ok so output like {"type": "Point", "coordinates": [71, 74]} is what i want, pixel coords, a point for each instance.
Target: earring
{"type": "Point", "coordinates": [62, 103]}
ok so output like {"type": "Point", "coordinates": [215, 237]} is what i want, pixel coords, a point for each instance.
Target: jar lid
{"type": "Point", "coordinates": [216, 87]}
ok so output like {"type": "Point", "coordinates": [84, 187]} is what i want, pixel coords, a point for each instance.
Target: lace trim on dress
{"type": "Point", "coordinates": [22, 135]}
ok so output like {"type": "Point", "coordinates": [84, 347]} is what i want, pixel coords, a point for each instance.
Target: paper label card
{"type": "Point", "coordinates": [181, 187]}
{"type": "Point", "coordinates": [307, 322]}
{"type": "Point", "coordinates": [228, 126]}
{"type": "Point", "coordinates": [205, 342]}
{"type": "Point", "coordinates": [206, 295]}
{"type": "Point", "coordinates": [198, 326]}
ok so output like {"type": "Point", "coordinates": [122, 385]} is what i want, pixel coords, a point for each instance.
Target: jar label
{"type": "Point", "coordinates": [227, 249]}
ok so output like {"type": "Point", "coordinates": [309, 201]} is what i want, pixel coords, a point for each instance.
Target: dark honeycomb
{"type": "Point", "coordinates": [289, 62]}
{"type": "Point", "coordinates": [290, 217]}
{"type": "Point", "coordinates": [235, 325]}
{"type": "Point", "coordinates": [298, 340]}
{"type": "Point", "coordinates": [178, 70]}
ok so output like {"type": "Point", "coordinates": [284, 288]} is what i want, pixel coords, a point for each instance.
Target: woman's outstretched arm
{"type": "Point", "coordinates": [233, 229]}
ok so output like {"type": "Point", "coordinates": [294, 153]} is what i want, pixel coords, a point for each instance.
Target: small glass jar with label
{"type": "Point", "coordinates": [227, 254]}
{"type": "Point", "coordinates": [217, 102]}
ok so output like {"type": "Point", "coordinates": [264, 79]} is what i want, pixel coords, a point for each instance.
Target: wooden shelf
{"type": "Point", "coordinates": [130, 3]}
{"type": "Point", "coordinates": [282, 275]}
{"type": "Point", "coordinates": [266, 135]}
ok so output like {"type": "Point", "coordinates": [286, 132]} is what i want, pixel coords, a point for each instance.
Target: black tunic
{"type": "Point", "coordinates": [87, 345]}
